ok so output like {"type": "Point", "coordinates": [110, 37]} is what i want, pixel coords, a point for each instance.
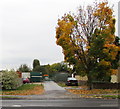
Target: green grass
{"type": "Point", "coordinates": [9, 97]}
{"type": "Point", "coordinates": [24, 87]}
{"type": "Point", "coordinates": [27, 86]}
{"type": "Point", "coordinates": [74, 86]}
{"type": "Point", "coordinates": [111, 96]}
{"type": "Point", "coordinates": [62, 84]}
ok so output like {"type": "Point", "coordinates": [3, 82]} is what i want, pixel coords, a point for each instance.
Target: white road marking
{"type": "Point", "coordinates": [16, 106]}
{"type": "Point", "coordinates": [110, 105]}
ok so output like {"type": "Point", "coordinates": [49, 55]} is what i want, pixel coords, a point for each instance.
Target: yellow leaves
{"type": "Point", "coordinates": [104, 63]}
{"type": "Point", "coordinates": [70, 36]}
{"type": "Point", "coordinates": [62, 40]}
{"type": "Point", "coordinates": [61, 23]}
{"type": "Point", "coordinates": [112, 49]}
{"type": "Point", "coordinates": [64, 37]}
{"type": "Point", "coordinates": [113, 55]}
{"type": "Point", "coordinates": [108, 45]}
{"type": "Point", "coordinates": [102, 5]}
{"type": "Point", "coordinates": [111, 38]}
{"type": "Point", "coordinates": [106, 50]}
{"type": "Point", "coordinates": [114, 71]}
{"type": "Point", "coordinates": [87, 47]}
{"type": "Point", "coordinates": [62, 32]}
{"type": "Point", "coordinates": [68, 28]}
{"type": "Point", "coordinates": [104, 15]}
{"type": "Point", "coordinates": [104, 8]}
{"type": "Point", "coordinates": [64, 28]}
{"type": "Point", "coordinates": [107, 25]}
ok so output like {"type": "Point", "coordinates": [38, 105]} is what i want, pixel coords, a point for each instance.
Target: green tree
{"type": "Point", "coordinates": [37, 69]}
{"type": "Point", "coordinates": [24, 68]}
{"type": "Point", "coordinates": [59, 67]}
{"type": "Point", "coordinates": [87, 40]}
{"type": "Point", "coordinates": [115, 63]}
{"type": "Point", "coordinates": [36, 65]}
{"type": "Point", "coordinates": [103, 46]}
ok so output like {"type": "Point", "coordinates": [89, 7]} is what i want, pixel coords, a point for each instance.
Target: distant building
{"type": "Point", "coordinates": [25, 74]}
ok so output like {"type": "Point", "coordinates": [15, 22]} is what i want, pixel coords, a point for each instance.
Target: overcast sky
{"type": "Point", "coordinates": [27, 30]}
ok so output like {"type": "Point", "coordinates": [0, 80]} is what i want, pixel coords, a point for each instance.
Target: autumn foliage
{"type": "Point", "coordinates": [87, 40]}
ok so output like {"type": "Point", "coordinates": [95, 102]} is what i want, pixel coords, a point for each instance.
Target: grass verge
{"type": "Point", "coordinates": [25, 89]}
{"type": "Point", "coordinates": [111, 96]}
{"type": "Point", "coordinates": [62, 84]}
{"type": "Point", "coordinates": [10, 97]}
{"type": "Point", "coordinates": [94, 91]}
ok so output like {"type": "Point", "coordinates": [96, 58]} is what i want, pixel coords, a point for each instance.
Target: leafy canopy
{"type": "Point", "coordinates": [87, 40]}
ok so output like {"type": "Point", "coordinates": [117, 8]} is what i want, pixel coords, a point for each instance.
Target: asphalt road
{"type": "Point", "coordinates": [60, 108]}
{"type": "Point", "coordinates": [61, 103]}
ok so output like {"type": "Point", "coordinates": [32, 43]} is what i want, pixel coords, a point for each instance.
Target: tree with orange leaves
{"type": "Point", "coordinates": [87, 40]}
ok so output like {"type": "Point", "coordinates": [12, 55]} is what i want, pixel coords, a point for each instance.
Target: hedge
{"type": "Point", "coordinates": [10, 80]}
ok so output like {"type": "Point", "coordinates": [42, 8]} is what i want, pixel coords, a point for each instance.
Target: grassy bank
{"type": "Point", "coordinates": [25, 89]}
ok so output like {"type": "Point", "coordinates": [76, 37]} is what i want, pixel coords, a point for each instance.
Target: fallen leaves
{"type": "Point", "coordinates": [93, 91]}
{"type": "Point", "coordinates": [36, 90]}
{"type": "Point", "coordinates": [96, 93]}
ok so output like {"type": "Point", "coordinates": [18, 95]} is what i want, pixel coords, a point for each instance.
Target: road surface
{"type": "Point", "coordinates": [56, 97]}
{"type": "Point", "coordinates": [61, 103]}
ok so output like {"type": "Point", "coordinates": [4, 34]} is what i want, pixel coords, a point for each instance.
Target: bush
{"type": "Point", "coordinates": [10, 80]}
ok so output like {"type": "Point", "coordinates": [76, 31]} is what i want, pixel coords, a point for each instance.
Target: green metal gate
{"type": "Point", "coordinates": [36, 76]}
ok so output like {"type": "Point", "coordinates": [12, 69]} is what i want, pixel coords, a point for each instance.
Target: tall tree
{"type": "Point", "coordinates": [107, 51]}
{"type": "Point", "coordinates": [36, 65]}
{"type": "Point", "coordinates": [87, 39]}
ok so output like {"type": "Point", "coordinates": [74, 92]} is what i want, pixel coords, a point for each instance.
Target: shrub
{"type": "Point", "coordinates": [10, 80]}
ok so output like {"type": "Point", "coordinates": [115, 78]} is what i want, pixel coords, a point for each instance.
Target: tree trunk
{"type": "Point", "coordinates": [89, 83]}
